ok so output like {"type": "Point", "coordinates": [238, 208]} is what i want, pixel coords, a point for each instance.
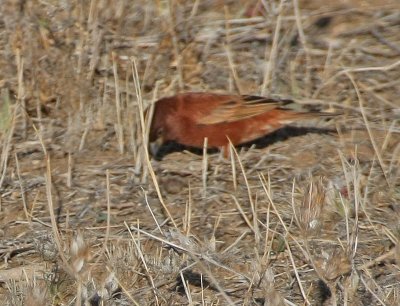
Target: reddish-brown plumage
{"type": "Point", "coordinates": [189, 118]}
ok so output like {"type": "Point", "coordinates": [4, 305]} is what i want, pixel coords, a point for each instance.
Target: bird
{"type": "Point", "coordinates": [189, 118]}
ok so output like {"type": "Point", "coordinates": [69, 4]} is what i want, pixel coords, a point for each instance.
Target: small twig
{"type": "Point", "coordinates": [175, 45]}
{"type": "Point", "coordinates": [367, 125]}
{"type": "Point", "coordinates": [119, 127]}
{"type": "Point", "coordinates": [273, 53]}
{"type": "Point", "coordinates": [204, 167]}
{"type": "Point", "coordinates": [23, 195]}
{"type": "Point", "coordinates": [250, 196]}
{"type": "Point", "coordinates": [139, 250]}
{"type": "Point", "coordinates": [145, 140]}
{"type": "Point", "coordinates": [229, 53]}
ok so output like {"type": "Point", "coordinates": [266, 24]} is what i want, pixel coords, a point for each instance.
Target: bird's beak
{"type": "Point", "coordinates": [155, 146]}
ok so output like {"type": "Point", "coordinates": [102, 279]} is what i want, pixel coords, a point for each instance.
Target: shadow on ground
{"type": "Point", "coordinates": [279, 135]}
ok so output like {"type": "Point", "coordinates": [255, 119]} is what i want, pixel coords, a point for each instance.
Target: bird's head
{"type": "Point", "coordinates": [158, 127]}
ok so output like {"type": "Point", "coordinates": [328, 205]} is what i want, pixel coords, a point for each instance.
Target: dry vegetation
{"type": "Point", "coordinates": [308, 216]}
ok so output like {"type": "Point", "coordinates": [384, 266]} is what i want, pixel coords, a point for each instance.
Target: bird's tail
{"type": "Point", "coordinates": [292, 116]}
{"type": "Point", "coordinates": [321, 114]}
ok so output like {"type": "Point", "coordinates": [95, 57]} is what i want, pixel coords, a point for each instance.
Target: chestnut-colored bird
{"type": "Point", "coordinates": [190, 117]}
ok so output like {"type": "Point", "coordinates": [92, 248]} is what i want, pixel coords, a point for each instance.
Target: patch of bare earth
{"type": "Point", "coordinates": [309, 215]}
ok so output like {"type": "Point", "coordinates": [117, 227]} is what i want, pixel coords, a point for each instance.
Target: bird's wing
{"type": "Point", "coordinates": [236, 108]}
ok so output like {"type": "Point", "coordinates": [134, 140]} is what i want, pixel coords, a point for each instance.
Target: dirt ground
{"type": "Point", "coordinates": [306, 216]}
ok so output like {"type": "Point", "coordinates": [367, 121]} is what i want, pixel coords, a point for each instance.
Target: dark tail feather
{"type": "Point", "coordinates": [316, 114]}
{"type": "Point", "coordinates": [292, 116]}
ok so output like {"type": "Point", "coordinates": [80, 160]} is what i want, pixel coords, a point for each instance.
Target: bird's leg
{"type": "Point", "coordinates": [226, 151]}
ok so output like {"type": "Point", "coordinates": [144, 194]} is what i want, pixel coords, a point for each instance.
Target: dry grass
{"type": "Point", "coordinates": [87, 217]}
